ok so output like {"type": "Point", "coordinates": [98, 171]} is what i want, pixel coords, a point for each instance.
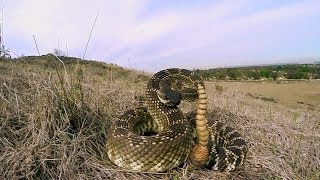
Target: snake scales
{"type": "Point", "coordinates": [159, 137]}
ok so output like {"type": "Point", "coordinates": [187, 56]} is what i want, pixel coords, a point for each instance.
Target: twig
{"type": "Point", "coordinates": [67, 50]}
{"type": "Point", "coordinates": [94, 23]}
{"type": "Point", "coordinates": [1, 27]}
{"type": "Point", "coordinates": [35, 42]}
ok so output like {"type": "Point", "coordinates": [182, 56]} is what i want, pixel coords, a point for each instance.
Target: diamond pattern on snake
{"type": "Point", "coordinates": [159, 137]}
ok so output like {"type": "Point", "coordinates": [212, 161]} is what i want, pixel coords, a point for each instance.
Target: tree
{"type": "Point", "coordinates": [274, 75]}
{"type": "Point", "coordinates": [292, 74]}
{"type": "Point", "coordinates": [221, 75]}
{"type": "Point", "coordinates": [59, 52]}
{"type": "Point", "coordinates": [233, 74]}
{"type": "Point", "coordinates": [317, 76]}
{"type": "Point", "coordinates": [254, 74]}
{"type": "Point", "coordinates": [265, 73]}
{"type": "Point", "coordinates": [4, 53]}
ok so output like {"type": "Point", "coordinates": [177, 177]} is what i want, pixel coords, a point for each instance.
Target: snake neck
{"type": "Point", "coordinates": [165, 115]}
{"type": "Point", "coordinates": [162, 101]}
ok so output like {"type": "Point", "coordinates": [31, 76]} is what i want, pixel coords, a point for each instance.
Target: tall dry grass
{"type": "Point", "coordinates": [53, 125]}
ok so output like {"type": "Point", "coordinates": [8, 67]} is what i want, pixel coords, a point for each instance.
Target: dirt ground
{"type": "Point", "coordinates": [294, 94]}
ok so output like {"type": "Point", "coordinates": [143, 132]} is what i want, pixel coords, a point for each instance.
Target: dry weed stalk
{"type": "Point", "coordinates": [53, 126]}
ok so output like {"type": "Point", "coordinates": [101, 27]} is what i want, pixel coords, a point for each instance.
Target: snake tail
{"type": "Point", "coordinates": [199, 154]}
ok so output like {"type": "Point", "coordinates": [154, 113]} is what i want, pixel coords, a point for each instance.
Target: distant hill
{"type": "Point", "coordinates": [50, 62]}
{"type": "Point", "coordinates": [276, 72]}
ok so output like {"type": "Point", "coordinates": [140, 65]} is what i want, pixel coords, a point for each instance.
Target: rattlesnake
{"type": "Point", "coordinates": [159, 137]}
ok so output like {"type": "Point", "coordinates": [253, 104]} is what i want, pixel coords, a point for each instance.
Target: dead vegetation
{"type": "Point", "coordinates": [53, 125]}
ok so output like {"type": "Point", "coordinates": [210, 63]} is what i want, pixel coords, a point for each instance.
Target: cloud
{"type": "Point", "coordinates": [149, 35]}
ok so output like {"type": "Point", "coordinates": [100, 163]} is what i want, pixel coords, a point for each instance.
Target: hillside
{"type": "Point", "coordinates": [50, 63]}
{"type": "Point", "coordinates": [55, 114]}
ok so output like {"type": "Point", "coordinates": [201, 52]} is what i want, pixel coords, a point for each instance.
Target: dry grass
{"type": "Point", "coordinates": [284, 142]}
{"type": "Point", "coordinates": [288, 93]}
{"type": "Point", "coordinates": [53, 126]}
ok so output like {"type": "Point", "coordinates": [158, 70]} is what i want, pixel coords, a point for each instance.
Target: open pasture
{"type": "Point", "coordinates": [294, 94]}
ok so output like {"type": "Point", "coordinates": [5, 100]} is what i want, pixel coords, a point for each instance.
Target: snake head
{"type": "Point", "coordinates": [168, 96]}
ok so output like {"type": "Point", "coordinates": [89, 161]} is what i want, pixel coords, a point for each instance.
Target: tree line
{"type": "Point", "coordinates": [275, 72]}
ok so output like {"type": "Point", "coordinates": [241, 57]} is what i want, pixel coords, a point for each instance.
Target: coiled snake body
{"type": "Point", "coordinates": [159, 137]}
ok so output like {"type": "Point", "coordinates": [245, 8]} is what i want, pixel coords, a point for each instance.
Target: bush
{"type": "Point", "coordinates": [4, 53]}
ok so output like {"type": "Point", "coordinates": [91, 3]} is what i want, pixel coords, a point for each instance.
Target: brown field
{"type": "Point", "coordinates": [53, 124]}
{"type": "Point", "coordinates": [295, 94]}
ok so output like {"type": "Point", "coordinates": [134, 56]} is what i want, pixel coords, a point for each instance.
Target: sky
{"type": "Point", "coordinates": [158, 34]}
